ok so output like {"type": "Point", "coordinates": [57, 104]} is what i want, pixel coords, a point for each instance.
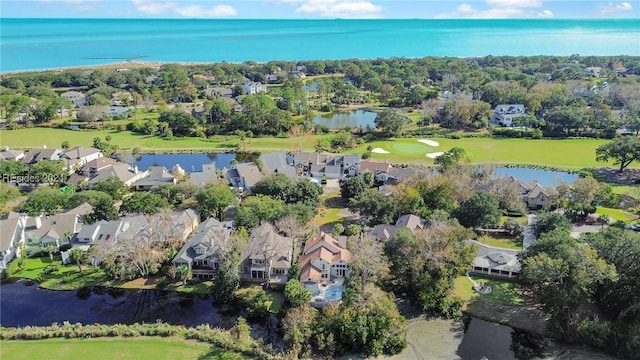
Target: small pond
{"type": "Point", "coordinates": [547, 178]}
{"type": "Point", "coordinates": [348, 119]}
{"type": "Point", "coordinates": [189, 162]}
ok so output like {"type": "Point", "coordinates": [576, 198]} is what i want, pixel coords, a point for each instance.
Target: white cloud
{"type": "Point", "coordinates": [614, 8]}
{"type": "Point", "coordinates": [339, 8]}
{"type": "Point", "coordinates": [152, 7]}
{"type": "Point", "coordinates": [500, 9]}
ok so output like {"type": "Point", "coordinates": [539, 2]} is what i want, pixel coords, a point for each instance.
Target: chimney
{"type": "Point", "coordinates": [38, 221]}
{"type": "Point", "coordinates": [135, 169]}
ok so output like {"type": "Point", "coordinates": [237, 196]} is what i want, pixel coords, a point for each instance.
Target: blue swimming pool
{"type": "Point", "coordinates": [333, 293]}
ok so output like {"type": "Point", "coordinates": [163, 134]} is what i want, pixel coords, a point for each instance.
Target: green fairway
{"type": "Point", "coordinates": [109, 349]}
{"type": "Point", "coordinates": [410, 148]}
{"type": "Point", "coordinates": [563, 154]}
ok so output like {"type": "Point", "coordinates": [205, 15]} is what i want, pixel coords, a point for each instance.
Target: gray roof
{"type": "Point", "coordinates": [82, 209]}
{"type": "Point", "coordinates": [539, 189]}
{"type": "Point", "coordinates": [491, 257]}
{"type": "Point", "coordinates": [8, 229]}
{"type": "Point", "coordinates": [80, 152]}
{"type": "Point", "coordinates": [8, 154]}
{"type": "Point", "coordinates": [206, 176]}
{"type": "Point", "coordinates": [250, 173]}
{"type": "Point", "coordinates": [60, 224]}
{"type": "Point", "coordinates": [277, 163]}
{"type": "Point", "coordinates": [120, 170]}
{"type": "Point", "coordinates": [509, 109]}
{"type": "Point", "coordinates": [411, 222]}
{"type": "Point", "coordinates": [38, 155]}
{"type": "Point", "coordinates": [305, 158]}
{"type": "Point", "coordinates": [266, 240]}
{"type": "Point", "coordinates": [158, 175]}
{"type": "Point", "coordinates": [212, 236]}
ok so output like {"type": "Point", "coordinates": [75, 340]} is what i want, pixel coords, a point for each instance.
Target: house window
{"type": "Point", "coordinates": [278, 271]}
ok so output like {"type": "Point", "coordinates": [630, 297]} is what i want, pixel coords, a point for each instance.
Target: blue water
{"type": "Point", "coordinates": [29, 44]}
{"type": "Point", "coordinates": [333, 293]}
{"type": "Point", "coordinates": [350, 119]}
{"type": "Point", "coordinates": [544, 177]}
{"type": "Point", "coordinates": [189, 162]}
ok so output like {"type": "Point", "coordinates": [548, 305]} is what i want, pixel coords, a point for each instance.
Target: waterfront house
{"type": "Point", "coordinates": [80, 155]}
{"type": "Point", "coordinates": [504, 114]}
{"type": "Point", "coordinates": [594, 71]}
{"type": "Point", "coordinates": [323, 261]}
{"type": "Point", "coordinates": [380, 170]}
{"type": "Point", "coordinates": [540, 197]}
{"type": "Point", "coordinates": [207, 176]}
{"type": "Point", "coordinates": [276, 163]}
{"type": "Point", "coordinates": [157, 175]}
{"type": "Point", "coordinates": [244, 176]}
{"type": "Point", "coordinates": [55, 230]}
{"type": "Point", "coordinates": [113, 231]}
{"type": "Point", "coordinates": [183, 223]}
{"type": "Point", "coordinates": [267, 256]}
{"type": "Point", "coordinates": [11, 238]}
{"type": "Point", "coordinates": [124, 172]}
{"type": "Point", "coordinates": [495, 261]}
{"type": "Point", "coordinates": [205, 249]}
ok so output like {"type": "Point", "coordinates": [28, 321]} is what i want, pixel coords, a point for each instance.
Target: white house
{"type": "Point", "coordinates": [79, 156]}
{"type": "Point", "coordinates": [504, 115]}
{"type": "Point", "coordinates": [77, 98]}
{"type": "Point", "coordinates": [252, 88]}
{"type": "Point", "coordinates": [495, 261]}
{"type": "Point", "coordinates": [11, 237]}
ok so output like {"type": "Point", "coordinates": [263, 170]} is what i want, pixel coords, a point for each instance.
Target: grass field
{"type": "Point", "coordinates": [564, 154]}
{"type": "Point", "coordinates": [111, 348]}
{"type": "Point", "coordinates": [617, 214]}
{"type": "Point", "coordinates": [504, 292]}
{"type": "Point", "coordinates": [501, 240]}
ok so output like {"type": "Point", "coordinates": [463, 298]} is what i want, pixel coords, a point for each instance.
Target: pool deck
{"type": "Point", "coordinates": [319, 300]}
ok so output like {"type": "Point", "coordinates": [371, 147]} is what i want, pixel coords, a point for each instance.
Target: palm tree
{"type": "Point", "coordinates": [51, 249]}
{"type": "Point", "coordinates": [77, 255]}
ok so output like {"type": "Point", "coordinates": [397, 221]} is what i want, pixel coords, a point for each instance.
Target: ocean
{"type": "Point", "coordinates": [36, 44]}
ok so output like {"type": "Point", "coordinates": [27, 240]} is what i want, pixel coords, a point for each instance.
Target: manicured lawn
{"type": "Point", "coordinates": [329, 210]}
{"type": "Point", "coordinates": [564, 154]}
{"type": "Point", "coordinates": [203, 288]}
{"type": "Point", "coordinates": [521, 219]}
{"type": "Point", "coordinates": [504, 292]}
{"type": "Point", "coordinates": [631, 190]}
{"type": "Point", "coordinates": [501, 240]}
{"type": "Point", "coordinates": [110, 348]}
{"type": "Point", "coordinates": [66, 277]}
{"type": "Point", "coordinates": [617, 214]}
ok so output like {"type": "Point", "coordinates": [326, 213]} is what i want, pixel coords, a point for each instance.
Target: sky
{"type": "Point", "coordinates": [319, 9]}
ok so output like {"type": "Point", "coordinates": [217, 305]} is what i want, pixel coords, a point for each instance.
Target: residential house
{"type": "Point", "coordinates": [36, 155]}
{"type": "Point", "coordinates": [276, 163]}
{"type": "Point", "coordinates": [384, 232]}
{"type": "Point", "coordinates": [208, 175]}
{"type": "Point", "coordinates": [157, 175]}
{"type": "Point", "coordinates": [77, 98]}
{"type": "Point", "coordinates": [81, 210]}
{"type": "Point", "coordinates": [121, 98]}
{"type": "Point", "coordinates": [252, 88]}
{"type": "Point", "coordinates": [11, 155]}
{"type": "Point", "coordinates": [495, 261]}
{"type": "Point", "coordinates": [79, 156]}
{"type": "Point", "coordinates": [206, 248]}
{"type": "Point", "coordinates": [110, 231]}
{"type": "Point", "coordinates": [11, 238]}
{"type": "Point", "coordinates": [349, 164]}
{"type": "Point", "coordinates": [594, 71]}
{"type": "Point", "coordinates": [380, 170]}
{"type": "Point", "coordinates": [303, 160]}
{"type": "Point", "coordinates": [244, 176]}
{"type": "Point", "coordinates": [271, 78]}
{"type": "Point", "coordinates": [267, 256]}
{"type": "Point", "coordinates": [90, 170]}
{"type": "Point", "coordinates": [504, 115]}
{"type": "Point", "coordinates": [540, 197]}
{"type": "Point", "coordinates": [184, 223]}
{"type": "Point", "coordinates": [219, 92]}
{"type": "Point", "coordinates": [126, 173]}
{"type": "Point", "coordinates": [323, 261]}
{"type": "Point", "coordinates": [198, 112]}
{"type": "Point", "coordinates": [298, 73]}
{"type": "Point", "coordinates": [56, 230]}
{"type": "Point", "coordinates": [116, 111]}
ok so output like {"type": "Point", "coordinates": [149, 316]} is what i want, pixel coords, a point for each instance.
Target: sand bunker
{"type": "Point", "coordinates": [429, 142]}
{"type": "Point", "coordinates": [379, 151]}
{"type": "Point", "coordinates": [434, 155]}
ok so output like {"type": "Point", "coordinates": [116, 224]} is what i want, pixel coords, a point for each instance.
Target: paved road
{"type": "Point", "coordinates": [528, 238]}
